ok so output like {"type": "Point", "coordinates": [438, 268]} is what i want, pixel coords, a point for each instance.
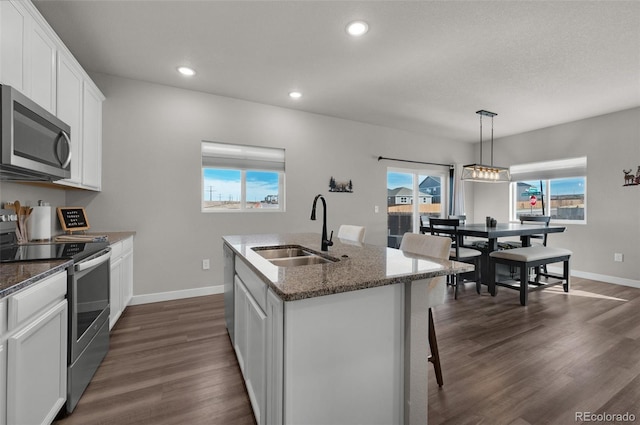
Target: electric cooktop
{"type": "Point", "coordinates": [11, 251]}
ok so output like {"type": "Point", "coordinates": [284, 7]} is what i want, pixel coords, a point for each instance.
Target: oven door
{"type": "Point", "coordinates": [88, 300]}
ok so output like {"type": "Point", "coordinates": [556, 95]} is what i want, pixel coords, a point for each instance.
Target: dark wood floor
{"type": "Point", "coordinates": [172, 362]}
{"type": "Point", "coordinates": [168, 363]}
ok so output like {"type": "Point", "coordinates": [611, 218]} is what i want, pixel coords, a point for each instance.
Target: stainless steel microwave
{"type": "Point", "coordinates": [35, 144]}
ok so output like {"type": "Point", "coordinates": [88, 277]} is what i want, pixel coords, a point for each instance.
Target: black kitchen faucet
{"type": "Point", "coordinates": [326, 243]}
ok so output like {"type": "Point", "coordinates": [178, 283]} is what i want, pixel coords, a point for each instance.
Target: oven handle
{"type": "Point", "coordinates": [84, 265]}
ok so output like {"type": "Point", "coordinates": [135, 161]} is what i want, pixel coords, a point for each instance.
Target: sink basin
{"type": "Point", "coordinates": [282, 252]}
{"type": "Point", "coordinates": [292, 255]}
{"type": "Point", "coordinates": [300, 261]}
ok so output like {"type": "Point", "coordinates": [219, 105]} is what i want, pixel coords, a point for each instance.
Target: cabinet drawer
{"type": "Point", "coordinates": [116, 250]}
{"type": "Point", "coordinates": [37, 297]}
{"type": "Point", "coordinates": [256, 287]}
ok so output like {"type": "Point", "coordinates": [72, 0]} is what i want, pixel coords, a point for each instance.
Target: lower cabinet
{"type": "Point", "coordinates": [121, 284]}
{"type": "Point", "coordinates": [332, 359]}
{"type": "Point", "coordinates": [33, 354]}
{"type": "Point", "coordinates": [250, 347]}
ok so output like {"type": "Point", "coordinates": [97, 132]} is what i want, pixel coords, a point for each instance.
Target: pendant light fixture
{"type": "Point", "coordinates": [481, 172]}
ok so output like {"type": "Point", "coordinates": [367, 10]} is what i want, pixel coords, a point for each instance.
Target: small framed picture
{"type": "Point", "coordinates": [73, 219]}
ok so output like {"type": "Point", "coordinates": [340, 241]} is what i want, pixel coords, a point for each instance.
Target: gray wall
{"type": "Point", "coordinates": [610, 143]}
{"type": "Point", "coordinates": [151, 175]}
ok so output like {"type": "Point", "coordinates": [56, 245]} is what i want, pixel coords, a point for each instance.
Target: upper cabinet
{"type": "Point", "coordinates": [14, 21]}
{"type": "Point", "coordinates": [36, 62]}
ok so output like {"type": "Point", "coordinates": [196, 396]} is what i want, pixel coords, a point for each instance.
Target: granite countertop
{"type": "Point", "coordinates": [113, 237]}
{"type": "Point", "coordinates": [361, 266]}
{"type": "Point", "coordinates": [17, 276]}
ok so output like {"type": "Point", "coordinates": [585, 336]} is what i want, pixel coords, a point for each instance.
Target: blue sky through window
{"type": "Point", "coordinates": [225, 185]}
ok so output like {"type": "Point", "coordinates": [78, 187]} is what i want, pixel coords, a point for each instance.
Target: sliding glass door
{"type": "Point", "coordinates": [412, 197]}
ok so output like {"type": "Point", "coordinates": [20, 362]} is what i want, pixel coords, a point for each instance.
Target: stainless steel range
{"type": "Point", "coordinates": [88, 297]}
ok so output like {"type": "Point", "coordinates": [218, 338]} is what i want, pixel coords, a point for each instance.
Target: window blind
{"type": "Point", "coordinates": [557, 169]}
{"type": "Point", "coordinates": [241, 157]}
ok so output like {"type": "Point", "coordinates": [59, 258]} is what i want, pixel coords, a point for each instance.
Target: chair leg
{"type": "Point", "coordinates": [492, 277]}
{"type": "Point", "coordinates": [456, 281]}
{"type": "Point", "coordinates": [566, 271]}
{"type": "Point", "coordinates": [524, 284]}
{"type": "Point", "coordinates": [478, 275]}
{"type": "Point", "coordinates": [435, 355]}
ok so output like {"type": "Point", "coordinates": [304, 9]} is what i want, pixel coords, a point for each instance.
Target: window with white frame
{"type": "Point", "coordinates": [237, 178]}
{"type": "Point", "coordinates": [554, 188]}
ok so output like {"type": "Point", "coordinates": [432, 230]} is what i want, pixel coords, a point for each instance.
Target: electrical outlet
{"type": "Point", "coordinates": [618, 257]}
{"type": "Point", "coordinates": [205, 264]}
{"type": "Point", "coordinates": [376, 209]}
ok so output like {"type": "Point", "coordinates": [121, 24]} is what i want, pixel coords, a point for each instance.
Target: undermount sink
{"type": "Point", "coordinates": [293, 255]}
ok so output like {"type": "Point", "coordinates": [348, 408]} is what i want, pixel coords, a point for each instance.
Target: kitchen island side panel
{"type": "Point", "coordinates": [343, 358]}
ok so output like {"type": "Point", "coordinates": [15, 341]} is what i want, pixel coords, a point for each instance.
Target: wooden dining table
{"type": "Point", "coordinates": [503, 230]}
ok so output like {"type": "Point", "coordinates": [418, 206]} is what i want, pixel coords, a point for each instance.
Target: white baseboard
{"type": "Point", "coordinates": [176, 295]}
{"type": "Point", "coordinates": [599, 277]}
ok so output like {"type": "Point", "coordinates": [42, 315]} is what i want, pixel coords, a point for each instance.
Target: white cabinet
{"type": "Point", "coordinates": [274, 361]}
{"type": "Point", "coordinates": [250, 347]}
{"type": "Point", "coordinates": [121, 284]}
{"type": "Point", "coordinates": [92, 137]}
{"type": "Point", "coordinates": [69, 109]}
{"type": "Point", "coordinates": [337, 358]}
{"type": "Point", "coordinates": [14, 21]}
{"type": "Point", "coordinates": [33, 353]}
{"type": "Point", "coordinates": [41, 67]}
{"type": "Point", "coordinates": [28, 54]}
{"type": "Point", "coordinates": [115, 296]}
{"type": "Point", "coordinates": [35, 62]}
{"type": "Point", "coordinates": [80, 106]}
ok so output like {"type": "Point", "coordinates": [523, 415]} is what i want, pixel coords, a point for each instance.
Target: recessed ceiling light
{"type": "Point", "coordinates": [357, 28]}
{"type": "Point", "coordinates": [295, 95]}
{"type": "Point", "coordinates": [184, 70]}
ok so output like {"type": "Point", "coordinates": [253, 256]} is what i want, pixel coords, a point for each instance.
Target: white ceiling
{"type": "Point", "coordinates": [424, 66]}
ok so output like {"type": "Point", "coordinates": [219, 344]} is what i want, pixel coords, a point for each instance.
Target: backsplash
{"type": "Point", "coordinates": [29, 195]}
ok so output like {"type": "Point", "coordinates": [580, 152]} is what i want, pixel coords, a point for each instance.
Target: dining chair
{"type": "Point", "coordinates": [349, 232]}
{"type": "Point", "coordinates": [448, 227]}
{"type": "Point", "coordinates": [527, 218]}
{"type": "Point", "coordinates": [438, 247]}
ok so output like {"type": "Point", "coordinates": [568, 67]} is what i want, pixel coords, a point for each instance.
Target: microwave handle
{"type": "Point", "coordinates": [66, 138]}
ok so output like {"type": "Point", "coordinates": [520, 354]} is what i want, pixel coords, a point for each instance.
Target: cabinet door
{"type": "Point", "coordinates": [115, 292]}
{"type": "Point", "coordinates": [14, 21]}
{"type": "Point", "coordinates": [37, 369]}
{"type": "Point", "coordinates": [240, 315]}
{"type": "Point", "coordinates": [69, 110]}
{"type": "Point", "coordinates": [127, 279]}
{"type": "Point", "coordinates": [255, 377]}
{"type": "Point", "coordinates": [3, 379]}
{"type": "Point", "coordinates": [41, 68]}
{"type": "Point", "coordinates": [274, 360]}
{"type": "Point", "coordinates": [91, 139]}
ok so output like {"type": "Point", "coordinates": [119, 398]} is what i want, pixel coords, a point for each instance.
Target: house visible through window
{"type": "Point", "coordinates": [554, 188]}
{"type": "Point", "coordinates": [403, 213]}
{"type": "Point", "coordinates": [242, 178]}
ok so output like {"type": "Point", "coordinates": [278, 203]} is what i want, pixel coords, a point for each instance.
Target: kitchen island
{"type": "Point", "coordinates": [343, 341]}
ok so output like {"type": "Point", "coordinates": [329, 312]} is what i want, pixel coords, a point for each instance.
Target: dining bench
{"type": "Point", "coordinates": [525, 259]}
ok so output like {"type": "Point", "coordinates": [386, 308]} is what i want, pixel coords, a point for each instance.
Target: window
{"type": "Point", "coordinates": [238, 178]}
{"type": "Point", "coordinates": [403, 214]}
{"type": "Point", "coordinates": [555, 188]}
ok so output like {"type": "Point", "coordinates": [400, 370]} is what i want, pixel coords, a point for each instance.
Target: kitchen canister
{"type": "Point", "coordinates": [39, 223]}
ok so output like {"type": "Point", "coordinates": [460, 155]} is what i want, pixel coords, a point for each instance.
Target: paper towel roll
{"type": "Point", "coordinates": [40, 223]}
